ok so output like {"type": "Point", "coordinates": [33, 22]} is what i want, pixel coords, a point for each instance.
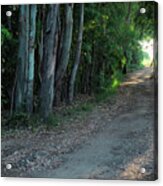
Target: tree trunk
{"type": "Point", "coordinates": [49, 61]}
{"type": "Point", "coordinates": [25, 70]}
{"type": "Point", "coordinates": [27, 56]}
{"type": "Point", "coordinates": [31, 58]}
{"type": "Point", "coordinates": [64, 51]}
{"type": "Point", "coordinates": [77, 55]}
{"type": "Point", "coordinates": [22, 58]}
{"type": "Point", "coordinates": [40, 42]}
{"type": "Point", "coordinates": [67, 39]}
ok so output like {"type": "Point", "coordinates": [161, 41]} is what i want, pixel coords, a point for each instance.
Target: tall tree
{"type": "Point", "coordinates": [25, 68]}
{"type": "Point", "coordinates": [63, 50]}
{"type": "Point", "coordinates": [22, 57]}
{"type": "Point", "coordinates": [49, 61]}
{"type": "Point", "coordinates": [77, 54]}
{"type": "Point", "coordinates": [19, 93]}
{"type": "Point", "coordinates": [66, 43]}
{"type": "Point", "coordinates": [31, 58]}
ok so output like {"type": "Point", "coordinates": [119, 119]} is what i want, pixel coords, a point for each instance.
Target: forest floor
{"type": "Point", "coordinates": [113, 141]}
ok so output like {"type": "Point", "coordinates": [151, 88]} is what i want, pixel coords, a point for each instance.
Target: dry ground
{"type": "Point", "coordinates": [114, 141]}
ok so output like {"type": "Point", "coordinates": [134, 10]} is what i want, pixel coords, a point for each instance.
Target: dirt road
{"type": "Point", "coordinates": [115, 141]}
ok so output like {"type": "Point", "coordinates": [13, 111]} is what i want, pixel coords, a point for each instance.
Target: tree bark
{"type": "Point", "coordinates": [49, 61]}
{"type": "Point", "coordinates": [31, 58]}
{"type": "Point", "coordinates": [77, 55]}
{"type": "Point", "coordinates": [66, 45]}
{"type": "Point", "coordinates": [22, 58]}
{"type": "Point", "coordinates": [25, 69]}
{"type": "Point", "coordinates": [40, 42]}
{"type": "Point", "coordinates": [63, 51]}
{"type": "Point", "coordinates": [27, 56]}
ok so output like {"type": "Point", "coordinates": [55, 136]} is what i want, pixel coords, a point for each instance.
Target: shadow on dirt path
{"type": "Point", "coordinates": [115, 141]}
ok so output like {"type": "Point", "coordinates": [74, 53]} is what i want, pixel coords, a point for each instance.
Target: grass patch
{"type": "Point", "coordinates": [105, 96]}
{"type": "Point", "coordinates": [53, 121]}
{"type": "Point", "coordinates": [23, 121]}
{"type": "Point", "coordinates": [68, 114]}
{"type": "Point", "coordinates": [20, 121]}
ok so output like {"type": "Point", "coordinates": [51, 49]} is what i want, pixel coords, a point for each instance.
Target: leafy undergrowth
{"type": "Point", "coordinates": [69, 113]}
{"type": "Point", "coordinates": [61, 115]}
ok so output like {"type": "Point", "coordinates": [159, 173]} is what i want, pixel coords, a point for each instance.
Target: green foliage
{"type": "Point", "coordinates": [86, 107]}
{"type": "Point", "coordinates": [6, 35]}
{"type": "Point", "coordinates": [108, 86]}
{"type": "Point", "coordinates": [22, 120]}
{"type": "Point", "coordinates": [133, 67]}
{"type": "Point", "coordinates": [67, 114]}
{"type": "Point", "coordinates": [8, 64]}
{"type": "Point", "coordinates": [103, 96]}
{"type": "Point", "coordinates": [117, 78]}
{"type": "Point", "coordinates": [53, 120]}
